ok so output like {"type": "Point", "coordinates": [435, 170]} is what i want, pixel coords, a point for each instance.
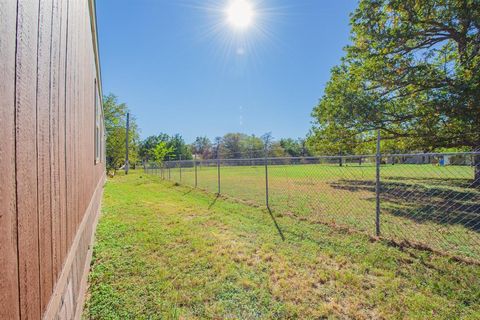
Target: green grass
{"type": "Point", "coordinates": [424, 204]}
{"type": "Point", "coordinates": [165, 251]}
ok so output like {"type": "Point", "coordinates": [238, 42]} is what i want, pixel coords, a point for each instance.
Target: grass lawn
{"type": "Point", "coordinates": [170, 252]}
{"type": "Point", "coordinates": [425, 204]}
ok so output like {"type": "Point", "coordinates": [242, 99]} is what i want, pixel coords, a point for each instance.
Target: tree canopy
{"type": "Point", "coordinates": [413, 71]}
{"type": "Point", "coordinates": [202, 147]}
{"type": "Point", "coordinates": [115, 126]}
{"type": "Point", "coordinates": [147, 146]}
{"type": "Point", "coordinates": [176, 146]}
{"type": "Point", "coordinates": [161, 151]}
{"type": "Point", "coordinates": [236, 145]}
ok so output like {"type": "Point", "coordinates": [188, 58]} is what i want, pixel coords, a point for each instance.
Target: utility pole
{"type": "Point", "coordinates": [127, 165]}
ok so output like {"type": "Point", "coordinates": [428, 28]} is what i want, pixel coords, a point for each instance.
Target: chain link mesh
{"type": "Point", "coordinates": [431, 200]}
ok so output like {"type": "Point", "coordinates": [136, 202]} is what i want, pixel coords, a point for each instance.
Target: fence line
{"type": "Point", "coordinates": [430, 199]}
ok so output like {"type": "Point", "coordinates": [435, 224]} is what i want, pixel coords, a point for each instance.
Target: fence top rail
{"type": "Point", "coordinates": [433, 154]}
{"type": "Point", "coordinates": [311, 158]}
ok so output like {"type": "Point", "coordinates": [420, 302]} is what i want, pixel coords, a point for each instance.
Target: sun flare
{"type": "Point", "coordinates": [240, 14]}
{"type": "Point", "coordinates": [242, 29]}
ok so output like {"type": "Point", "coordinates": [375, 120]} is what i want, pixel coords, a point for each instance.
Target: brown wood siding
{"type": "Point", "coordinates": [8, 217]}
{"type": "Point", "coordinates": [26, 164]}
{"type": "Point", "coordinates": [43, 152]}
{"type": "Point", "coordinates": [54, 140]}
{"type": "Point", "coordinates": [51, 186]}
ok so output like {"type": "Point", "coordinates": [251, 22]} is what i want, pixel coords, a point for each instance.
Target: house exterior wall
{"type": "Point", "coordinates": [52, 181]}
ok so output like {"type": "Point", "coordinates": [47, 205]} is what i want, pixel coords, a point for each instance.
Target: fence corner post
{"type": "Point", "coordinates": [377, 185]}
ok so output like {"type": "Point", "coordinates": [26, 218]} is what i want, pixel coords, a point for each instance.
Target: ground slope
{"type": "Point", "coordinates": [170, 252]}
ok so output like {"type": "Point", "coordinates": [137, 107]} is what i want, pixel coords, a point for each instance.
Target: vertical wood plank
{"type": "Point", "coordinates": [55, 140]}
{"type": "Point", "coordinates": [9, 295]}
{"type": "Point", "coordinates": [43, 154]}
{"type": "Point", "coordinates": [76, 122]}
{"type": "Point", "coordinates": [62, 142]}
{"type": "Point", "coordinates": [26, 152]}
{"type": "Point", "coordinates": [85, 108]}
{"type": "Point", "coordinates": [69, 69]}
{"type": "Point", "coordinates": [75, 46]}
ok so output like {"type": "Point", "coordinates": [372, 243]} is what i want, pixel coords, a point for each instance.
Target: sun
{"type": "Point", "coordinates": [240, 14]}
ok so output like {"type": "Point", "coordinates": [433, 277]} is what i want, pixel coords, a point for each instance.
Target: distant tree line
{"type": "Point", "coordinates": [162, 147]}
{"type": "Point", "coordinates": [243, 146]}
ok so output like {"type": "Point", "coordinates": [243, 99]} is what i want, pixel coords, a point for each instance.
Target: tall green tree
{"type": "Point", "coordinates": [276, 150]}
{"type": "Point", "coordinates": [253, 147]}
{"type": "Point", "coordinates": [180, 149]}
{"type": "Point", "coordinates": [240, 145]}
{"type": "Point", "coordinates": [413, 71]}
{"type": "Point", "coordinates": [202, 146]}
{"type": "Point", "coordinates": [147, 146]}
{"type": "Point", "coordinates": [115, 126]}
{"type": "Point", "coordinates": [233, 145]}
{"type": "Point", "coordinates": [160, 152]}
{"type": "Point", "coordinates": [295, 148]}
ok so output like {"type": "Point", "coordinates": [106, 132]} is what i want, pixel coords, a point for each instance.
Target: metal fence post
{"type": "Point", "coordinates": [180, 165]}
{"type": "Point", "coordinates": [195, 166]}
{"type": "Point", "coordinates": [218, 174]}
{"type": "Point", "coordinates": [127, 163]}
{"type": "Point", "coordinates": [377, 186]}
{"type": "Point", "coordinates": [266, 182]}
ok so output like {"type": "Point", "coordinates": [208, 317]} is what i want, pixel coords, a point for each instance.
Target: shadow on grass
{"type": "Point", "coordinates": [437, 181]}
{"type": "Point", "coordinates": [432, 200]}
{"type": "Point", "coordinates": [276, 224]}
{"type": "Point", "coordinates": [214, 201]}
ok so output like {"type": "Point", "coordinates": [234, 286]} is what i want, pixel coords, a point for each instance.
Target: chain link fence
{"type": "Point", "coordinates": [425, 200]}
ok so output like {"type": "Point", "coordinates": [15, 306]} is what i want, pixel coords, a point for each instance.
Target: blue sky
{"type": "Point", "coordinates": [181, 68]}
